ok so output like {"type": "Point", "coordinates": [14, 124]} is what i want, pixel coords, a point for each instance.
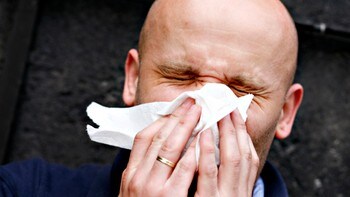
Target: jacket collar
{"type": "Point", "coordinates": [273, 181]}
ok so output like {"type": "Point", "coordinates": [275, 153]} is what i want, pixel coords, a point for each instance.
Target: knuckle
{"type": "Point", "coordinates": [211, 171]}
{"type": "Point", "coordinates": [175, 115]}
{"type": "Point", "coordinates": [231, 131]}
{"type": "Point", "coordinates": [139, 137]}
{"type": "Point", "coordinates": [163, 193]}
{"type": "Point", "coordinates": [135, 186]}
{"type": "Point", "coordinates": [168, 147]}
{"type": "Point", "coordinates": [256, 162]}
{"type": "Point", "coordinates": [158, 139]}
{"type": "Point", "coordinates": [247, 156]}
{"type": "Point", "coordinates": [234, 160]}
{"type": "Point", "coordinates": [125, 175]}
{"type": "Point", "coordinates": [152, 189]}
{"type": "Point", "coordinates": [208, 149]}
{"type": "Point", "coordinates": [241, 125]}
{"type": "Point", "coordinates": [124, 179]}
{"type": "Point", "coordinates": [187, 126]}
{"type": "Point", "coordinates": [185, 166]}
{"type": "Point", "coordinates": [182, 122]}
{"type": "Point", "coordinates": [125, 172]}
{"type": "Point", "coordinates": [228, 134]}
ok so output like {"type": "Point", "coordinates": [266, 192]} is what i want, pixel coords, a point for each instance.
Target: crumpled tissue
{"type": "Point", "coordinates": [119, 126]}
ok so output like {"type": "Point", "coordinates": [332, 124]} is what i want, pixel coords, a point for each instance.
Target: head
{"type": "Point", "coordinates": [251, 46]}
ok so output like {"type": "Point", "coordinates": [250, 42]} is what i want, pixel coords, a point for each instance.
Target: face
{"type": "Point", "coordinates": [187, 54]}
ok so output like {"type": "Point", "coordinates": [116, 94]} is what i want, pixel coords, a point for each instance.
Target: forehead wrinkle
{"type": "Point", "coordinates": [227, 49]}
{"type": "Point", "coordinates": [212, 32]}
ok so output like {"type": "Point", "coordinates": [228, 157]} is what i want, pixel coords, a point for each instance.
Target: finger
{"type": "Point", "coordinates": [254, 167]}
{"type": "Point", "coordinates": [143, 140]}
{"type": "Point", "coordinates": [244, 148]}
{"type": "Point", "coordinates": [182, 176]}
{"type": "Point", "coordinates": [138, 151]}
{"type": "Point", "coordinates": [153, 146]}
{"type": "Point", "coordinates": [207, 169]}
{"type": "Point", "coordinates": [229, 170]}
{"type": "Point", "coordinates": [175, 143]}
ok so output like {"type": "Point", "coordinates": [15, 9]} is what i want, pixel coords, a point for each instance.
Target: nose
{"type": "Point", "coordinates": [201, 81]}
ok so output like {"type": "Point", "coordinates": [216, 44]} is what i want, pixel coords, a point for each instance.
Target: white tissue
{"type": "Point", "coordinates": [118, 126]}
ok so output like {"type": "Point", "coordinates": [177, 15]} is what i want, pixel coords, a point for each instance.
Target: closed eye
{"type": "Point", "coordinates": [180, 78]}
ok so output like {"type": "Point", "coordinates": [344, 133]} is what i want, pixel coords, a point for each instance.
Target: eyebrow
{"type": "Point", "coordinates": [249, 83]}
{"type": "Point", "coordinates": [177, 70]}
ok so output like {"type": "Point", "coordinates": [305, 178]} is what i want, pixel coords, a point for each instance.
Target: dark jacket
{"type": "Point", "coordinates": [36, 177]}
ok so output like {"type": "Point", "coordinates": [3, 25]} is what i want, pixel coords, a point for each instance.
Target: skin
{"type": "Point", "coordinates": [251, 46]}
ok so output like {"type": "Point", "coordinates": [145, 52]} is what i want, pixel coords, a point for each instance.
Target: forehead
{"type": "Point", "coordinates": [213, 52]}
{"type": "Point", "coordinates": [228, 23]}
{"type": "Point", "coordinates": [216, 40]}
{"type": "Point", "coordinates": [252, 19]}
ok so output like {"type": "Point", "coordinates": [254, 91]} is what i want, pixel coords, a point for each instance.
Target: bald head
{"type": "Point", "coordinates": [254, 24]}
{"type": "Point", "coordinates": [249, 45]}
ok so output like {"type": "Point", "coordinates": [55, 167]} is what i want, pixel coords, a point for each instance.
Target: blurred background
{"type": "Point", "coordinates": [57, 56]}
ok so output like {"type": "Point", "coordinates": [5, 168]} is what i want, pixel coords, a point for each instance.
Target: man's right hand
{"type": "Point", "coordinates": [165, 138]}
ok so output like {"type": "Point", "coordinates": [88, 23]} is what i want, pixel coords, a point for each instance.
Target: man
{"type": "Point", "coordinates": [251, 46]}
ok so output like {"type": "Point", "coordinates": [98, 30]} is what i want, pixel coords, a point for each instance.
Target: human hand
{"type": "Point", "coordinates": [166, 138]}
{"type": "Point", "coordinates": [145, 176]}
{"type": "Point", "coordinates": [239, 161]}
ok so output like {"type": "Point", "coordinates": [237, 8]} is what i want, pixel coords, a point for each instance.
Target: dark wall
{"type": "Point", "coordinates": [314, 159]}
{"type": "Point", "coordinates": [7, 9]}
{"type": "Point", "coordinates": [77, 55]}
{"type": "Point", "coordinates": [327, 13]}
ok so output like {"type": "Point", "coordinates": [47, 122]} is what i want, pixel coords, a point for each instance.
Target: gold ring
{"type": "Point", "coordinates": [165, 161]}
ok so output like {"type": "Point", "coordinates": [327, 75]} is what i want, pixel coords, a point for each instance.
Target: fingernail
{"type": "Point", "coordinates": [227, 118]}
{"type": "Point", "coordinates": [236, 114]}
{"type": "Point", "coordinates": [188, 102]}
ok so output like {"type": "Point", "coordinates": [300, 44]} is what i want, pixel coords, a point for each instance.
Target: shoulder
{"type": "Point", "coordinates": [37, 177]}
{"type": "Point", "coordinates": [21, 176]}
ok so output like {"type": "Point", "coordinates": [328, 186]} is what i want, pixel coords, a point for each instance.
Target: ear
{"type": "Point", "coordinates": [291, 105]}
{"type": "Point", "coordinates": [131, 77]}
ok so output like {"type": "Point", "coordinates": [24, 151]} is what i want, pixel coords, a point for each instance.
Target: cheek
{"type": "Point", "coordinates": [261, 128]}
{"type": "Point", "coordinates": [263, 117]}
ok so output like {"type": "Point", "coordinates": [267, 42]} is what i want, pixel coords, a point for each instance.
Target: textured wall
{"type": "Point", "coordinates": [7, 9]}
{"type": "Point", "coordinates": [327, 13]}
{"type": "Point", "coordinates": [315, 159]}
{"type": "Point", "coordinates": [77, 56]}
